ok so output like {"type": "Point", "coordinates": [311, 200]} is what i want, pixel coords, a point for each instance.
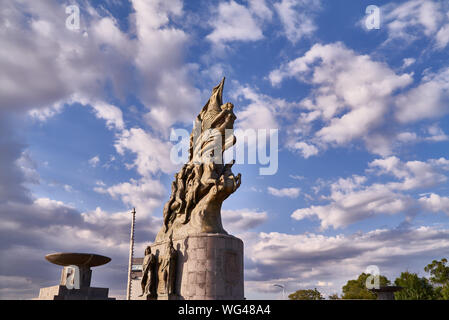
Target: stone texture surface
{"type": "Point", "coordinates": [85, 291]}
{"type": "Point", "coordinates": [204, 182]}
{"type": "Point", "coordinates": [209, 266]}
{"type": "Point", "coordinates": [62, 293]}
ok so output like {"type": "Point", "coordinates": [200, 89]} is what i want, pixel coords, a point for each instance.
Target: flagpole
{"type": "Point", "coordinates": [131, 253]}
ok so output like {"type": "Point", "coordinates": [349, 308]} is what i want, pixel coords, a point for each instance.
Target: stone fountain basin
{"type": "Point", "coordinates": [77, 259]}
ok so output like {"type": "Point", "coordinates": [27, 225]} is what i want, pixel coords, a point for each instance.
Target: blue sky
{"type": "Point", "coordinates": [86, 116]}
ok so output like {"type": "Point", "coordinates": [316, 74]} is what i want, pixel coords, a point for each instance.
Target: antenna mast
{"type": "Point", "coordinates": [131, 254]}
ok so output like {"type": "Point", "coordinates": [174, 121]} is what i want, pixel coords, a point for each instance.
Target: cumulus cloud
{"type": "Point", "coordinates": [235, 22]}
{"type": "Point", "coordinates": [145, 195]}
{"type": "Point", "coordinates": [410, 20]}
{"type": "Point", "coordinates": [46, 63]}
{"type": "Point", "coordinates": [48, 66]}
{"type": "Point", "coordinates": [414, 174]}
{"type": "Point", "coordinates": [435, 203]}
{"type": "Point", "coordinates": [307, 150]}
{"type": "Point", "coordinates": [428, 100]}
{"type": "Point", "coordinates": [284, 192]}
{"type": "Point", "coordinates": [297, 17]}
{"type": "Point", "coordinates": [236, 221]}
{"type": "Point", "coordinates": [303, 260]}
{"type": "Point", "coordinates": [407, 62]}
{"type": "Point", "coordinates": [166, 87]}
{"type": "Point", "coordinates": [152, 154]}
{"type": "Point", "coordinates": [350, 99]}
{"type": "Point", "coordinates": [442, 37]}
{"type": "Point", "coordinates": [348, 207]}
{"type": "Point", "coordinates": [261, 111]}
{"type": "Point", "coordinates": [434, 134]}
{"type": "Point", "coordinates": [260, 9]}
{"type": "Point", "coordinates": [94, 161]}
{"type": "Point", "coordinates": [352, 199]}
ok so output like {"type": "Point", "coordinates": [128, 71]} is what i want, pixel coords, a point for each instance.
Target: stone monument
{"type": "Point", "coordinates": [195, 257]}
{"type": "Point", "coordinates": [75, 277]}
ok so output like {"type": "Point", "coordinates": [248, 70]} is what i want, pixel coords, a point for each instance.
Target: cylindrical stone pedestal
{"type": "Point", "coordinates": [209, 267]}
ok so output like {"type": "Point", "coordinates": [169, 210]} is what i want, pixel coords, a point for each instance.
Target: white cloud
{"type": "Point", "coordinates": [409, 20]}
{"type": "Point", "coordinates": [112, 114]}
{"type": "Point", "coordinates": [307, 150]}
{"type": "Point", "coordinates": [166, 88]}
{"type": "Point", "coordinates": [297, 17]}
{"type": "Point", "coordinates": [436, 134]}
{"type": "Point", "coordinates": [351, 97]}
{"type": "Point", "coordinates": [28, 167]}
{"type": "Point", "coordinates": [435, 203]}
{"type": "Point", "coordinates": [442, 37]}
{"type": "Point", "coordinates": [426, 101]}
{"type": "Point", "coordinates": [407, 137]}
{"type": "Point", "coordinates": [350, 207]}
{"type": "Point", "coordinates": [94, 161]}
{"type": "Point", "coordinates": [414, 174]}
{"type": "Point", "coordinates": [303, 260]}
{"type": "Point", "coordinates": [235, 22]}
{"type": "Point", "coordinates": [47, 66]}
{"type": "Point", "coordinates": [352, 200]}
{"type": "Point", "coordinates": [407, 62]}
{"type": "Point", "coordinates": [46, 63]}
{"type": "Point", "coordinates": [262, 111]}
{"type": "Point", "coordinates": [144, 195]}
{"type": "Point", "coordinates": [152, 154]}
{"type": "Point", "coordinates": [260, 9]}
{"type": "Point", "coordinates": [235, 221]}
{"type": "Point", "coordinates": [284, 192]}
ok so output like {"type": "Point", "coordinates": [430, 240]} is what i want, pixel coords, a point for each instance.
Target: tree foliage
{"type": "Point", "coordinates": [356, 289]}
{"type": "Point", "coordinates": [334, 296]}
{"type": "Point", "coordinates": [439, 276]}
{"type": "Point", "coordinates": [413, 287]}
{"type": "Point", "coordinates": [439, 271]}
{"type": "Point", "coordinates": [307, 294]}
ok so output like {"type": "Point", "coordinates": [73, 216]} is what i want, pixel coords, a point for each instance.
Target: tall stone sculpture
{"type": "Point", "coordinates": [202, 184]}
{"type": "Point", "coordinates": [197, 259]}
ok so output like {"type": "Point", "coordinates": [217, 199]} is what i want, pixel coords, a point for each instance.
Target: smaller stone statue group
{"type": "Point", "coordinates": [159, 273]}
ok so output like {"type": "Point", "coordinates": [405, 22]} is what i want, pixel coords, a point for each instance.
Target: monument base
{"type": "Point", "coordinates": [60, 292]}
{"type": "Point", "coordinates": [209, 267]}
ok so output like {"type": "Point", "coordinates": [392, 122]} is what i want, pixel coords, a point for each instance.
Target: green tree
{"type": "Point", "coordinates": [334, 296]}
{"type": "Point", "coordinates": [307, 294]}
{"type": "Point", "coordinates": [439, 276]}
{"type": "Point", "coordinates": [414, 287]}
{"type": "Point", "coordinates": [356, 289]}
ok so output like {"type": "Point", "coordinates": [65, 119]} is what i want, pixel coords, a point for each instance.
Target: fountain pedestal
{"type": "Point", "coordinates": [75, 278]}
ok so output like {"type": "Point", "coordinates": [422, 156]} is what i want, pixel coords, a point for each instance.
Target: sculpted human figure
{"type": "Point", "coordinates": [167, 211]}
{"type": "Point", "coordinates": [148, 281]}
{"type": "Point", "coordinates": [168, 268]}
